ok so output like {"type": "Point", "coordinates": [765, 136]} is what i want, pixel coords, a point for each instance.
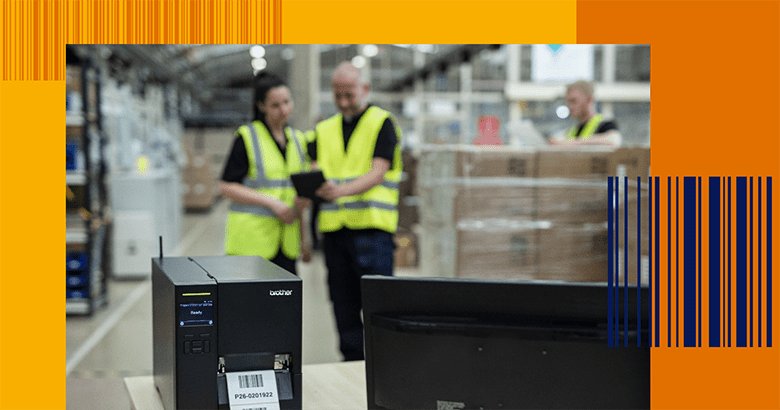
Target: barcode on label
{"type": "Point", "coordinates": [250, 381]}
{"type": "Point", "coordinates": [257, 408]}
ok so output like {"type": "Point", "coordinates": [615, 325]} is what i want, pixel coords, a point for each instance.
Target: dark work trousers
{"type": "Point", "coordinates": [284, 262]}
{"type": "Point", "coordinates": [348, 256]}
{"type": "Point", "coordinates": [314, 229]}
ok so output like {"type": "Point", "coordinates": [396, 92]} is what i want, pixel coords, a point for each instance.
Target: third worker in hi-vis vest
{"type": "Point", "coordinates": [264, 216]}
{"type": "Point", "coordinates": [359, 153]}
{"type": "Point", "coordinates": [592, 128]}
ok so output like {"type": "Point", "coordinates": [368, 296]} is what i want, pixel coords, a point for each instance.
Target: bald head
{"type": "Point", "coordinates": [347, 72]}
{"type": "Point", "coordinates": [349, 90]}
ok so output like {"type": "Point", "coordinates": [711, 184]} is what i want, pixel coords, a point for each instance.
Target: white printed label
{"type": "Point", "coordinates": [264, 406]}
{"type": "Point", "coordinates": [255, 390]}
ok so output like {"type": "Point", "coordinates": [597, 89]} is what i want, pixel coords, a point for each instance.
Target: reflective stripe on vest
{"type": "Point", "coordinates": [251, 209]}
{"type": "Point", "coordinates": [385, 183]}
{"type": "Point", "coordinates": [587, 130]}
{"type": "Point", "coordinates": [331, 206]}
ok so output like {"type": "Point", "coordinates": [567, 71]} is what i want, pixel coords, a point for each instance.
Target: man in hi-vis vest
{"type": "Point", "coordinates": [591, 129]}
{"type": "Point", "coordinates": [359, 153]}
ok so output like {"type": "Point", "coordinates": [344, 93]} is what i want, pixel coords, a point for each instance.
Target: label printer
{"type": "Point", "coordinates": [218, 317]}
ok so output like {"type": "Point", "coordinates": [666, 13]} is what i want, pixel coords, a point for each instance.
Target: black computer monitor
{"type": "Point", "coordinates": [435, 343]}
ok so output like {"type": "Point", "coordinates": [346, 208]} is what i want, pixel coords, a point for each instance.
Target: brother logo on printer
{"type": "Point", "coordinates": [281, 292]}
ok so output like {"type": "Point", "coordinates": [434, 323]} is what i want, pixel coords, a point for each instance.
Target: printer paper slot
{"type": "Point", "coordinates": [256, 361]}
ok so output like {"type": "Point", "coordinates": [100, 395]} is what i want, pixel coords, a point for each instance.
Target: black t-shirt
{"type": "Point", "coordinates": [237, 164]}
{"type": "Point", "coordinates": [604, 126]}
{"type": "Point", "coordinates": [385, 141]}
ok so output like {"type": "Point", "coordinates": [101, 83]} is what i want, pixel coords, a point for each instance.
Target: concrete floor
{"type": "Point", "coordinates": [116, 341]}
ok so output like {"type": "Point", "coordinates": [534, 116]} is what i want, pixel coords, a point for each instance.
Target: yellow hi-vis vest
{"type": "Point", "coordinates": [587, 130]}
{"type": "Point", "coordinates": [256, 230]}
{"type": "Point", "coordinates": [375, 208]}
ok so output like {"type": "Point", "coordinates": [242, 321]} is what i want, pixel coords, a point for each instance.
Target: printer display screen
{"type": "Point", "coordinates": [196, 313]}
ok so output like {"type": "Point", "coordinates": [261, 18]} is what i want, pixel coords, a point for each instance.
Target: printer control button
{"type": "Point", "coordinates": [187, 347]}
{"type": "Point", "coordinates": [189, 336]}
{"type": "Point", "coordinates": [206, 346]}
{"type": "Point", "coordinates": [197, 343]}
{"type": "Point", "coordinates": [197, 350]}
{"type": "Point", "coordinates": [205, 335]}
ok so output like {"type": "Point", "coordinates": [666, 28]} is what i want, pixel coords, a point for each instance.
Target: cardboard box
{"type": "Point", "coordinates": [408, 214]}
{"type": "Point", "coordinates": [408, 185]}
{"type": "Point", "coordinates": [491, 200]}
{"type": "Point", "coordinates": [487, 161]}
{"type": "Point", "coordinates": [492, 253]}
{"type": "Point", "coordinates": [460, 182]}
{"type": "Point", "coordinates": [573, 203]}
{"type": "Point", "coordinates": [200, 184]}
{"type": "Point", "coordinates": [405, 255]}
{"type": "Point", "coordinates": [74, 133]}
{"type": "Point", "coordinates": [573, 253]}
{"type": "Point", "coordinates": [198, 196]}
{"type": "Point", "coordinates": [198, 160]}
{"type": "Point", "coordinates": [577, 164]}
{"type": "Point", "coordinates": [631, 162]}
{"type": "Point", "coordinates": [203, 175]}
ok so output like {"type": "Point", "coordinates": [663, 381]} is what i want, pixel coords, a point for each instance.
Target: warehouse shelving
{"type": "Point", "coordinates": [86, 213]}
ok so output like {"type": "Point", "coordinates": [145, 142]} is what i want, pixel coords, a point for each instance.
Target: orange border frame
{"type": "Point", "coordinates": [716, 96]}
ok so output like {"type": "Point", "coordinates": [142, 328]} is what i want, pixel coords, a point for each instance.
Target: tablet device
{"type": "Point", "coordinates": [306, 183]}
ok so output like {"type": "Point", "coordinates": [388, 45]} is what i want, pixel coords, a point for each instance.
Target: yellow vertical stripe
{"type": "Point", "coordinates": [35, 32]}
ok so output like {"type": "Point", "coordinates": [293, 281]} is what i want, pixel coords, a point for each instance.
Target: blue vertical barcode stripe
{"type": "Point", "coordinates": [657, 263]}
{"type": "Point", "coordinates": [689, 267]}
{"type": "Point", "coordinates": [669, 262]}
{"type": "Point", "coordinates": [638, 261]}
{"type": "Point", "coordinates": [714, 262]}
{"type": "Point", "coordinates": [750, 257]}
{"type": "Point", "coordinates": [617, 260]}
{"type": "Point", "coordinates": [650, 282]}
{"type": "Point", "coordinates": [769, 262]}
{"type": "Point", "coordinates": [723, 262]}
{"type": "Point", "coordinates": [728, 238]}
{"type": "Point", "coordinates": [701, 284]}
{"type": "Point", "coordinates": [677, 261]}
{"type": "Point", "coordinates": [760, 255]}
{"type": "Point", "coordinates": [741, 270]}
{"type": "Point", "coordinates": [611, 240]}
{"type": "Point", "coordinates": [625, 262]}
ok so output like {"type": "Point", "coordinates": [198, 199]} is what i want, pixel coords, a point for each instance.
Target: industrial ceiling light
{"type": "Point", "coordinates": [257, 51]}
{"type": "Point", "coordinates": [370, 50]}
{"type": "Point", "coordinates": [259, 63]}
{"type": "Point", "coordinates": [562, 111]}
{"type": "Point", "coordinates": [359, 61]}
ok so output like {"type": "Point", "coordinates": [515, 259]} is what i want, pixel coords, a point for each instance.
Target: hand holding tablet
{"type": "Point", "coordinates": [307, 183]}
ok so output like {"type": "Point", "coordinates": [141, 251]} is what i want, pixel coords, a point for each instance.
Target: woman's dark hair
{"type": "Point", "coordinates": [262, 83]}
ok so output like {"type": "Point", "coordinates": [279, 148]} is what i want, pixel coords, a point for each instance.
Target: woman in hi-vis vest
{"type": "Point", "coordinates": [265, 213]}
